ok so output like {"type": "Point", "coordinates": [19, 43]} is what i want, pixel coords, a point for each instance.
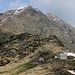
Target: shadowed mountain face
{"type": "Point", "coordinates": [33, 21]}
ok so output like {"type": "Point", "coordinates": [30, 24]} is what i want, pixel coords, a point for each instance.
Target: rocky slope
{"type": "Point", "coordinates": [26, 34]}
{"type": "Point", "coordinates": [23, 45]}
{"type": "Point", "coordinates": [61, 29]}
{"type": "Point", "coordinates": [31, 20]}
{"type": "Point", "coordinates": [18, 55]}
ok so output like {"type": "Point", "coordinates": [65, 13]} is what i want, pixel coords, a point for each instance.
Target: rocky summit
{"type": "Point", "coordinates": [32, 42]}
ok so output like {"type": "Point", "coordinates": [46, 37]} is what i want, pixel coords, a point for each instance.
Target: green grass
{"type": "Point", "coordinates": [24, 67]}
{"type": "Point", "coordinates": [70, 62]}
{"type": "Point", "coordinates": [3, 72]}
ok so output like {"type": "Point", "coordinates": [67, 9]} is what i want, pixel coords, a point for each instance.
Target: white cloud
{"type": "Point", "coordinates": [41, 2]}
{"type": "Point", "coordinates": [12, 4]}
{"type": "Point", "coordinates": [62, 8]}
{"type": "Point", "coordinates": [16, 3]}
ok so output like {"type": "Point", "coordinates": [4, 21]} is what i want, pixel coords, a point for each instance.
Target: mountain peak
{"type": "Point", "coordinates": [23, 7]}
{"type": "Point", "coordinates": [20, 9]}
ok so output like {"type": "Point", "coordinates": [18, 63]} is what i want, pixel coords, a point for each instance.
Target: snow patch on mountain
{"type": "Point", "coordinates": [19, 10]}
{"type": "Point", "coordinates": [13, 13]}
{"type": "Point", "coordinates": [54, 19]}
{"type": "Point", "coordinates": [22, 7]}
{"type": "Point", "coordinates": [72, 72]}
{"type": "Point", "coordinates": [70, 54]}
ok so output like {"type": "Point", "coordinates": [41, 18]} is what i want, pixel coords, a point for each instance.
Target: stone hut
{"type": "Point", "coordinates": [37, 59]}
{"type": "Point", "coordinates": [61, 56]}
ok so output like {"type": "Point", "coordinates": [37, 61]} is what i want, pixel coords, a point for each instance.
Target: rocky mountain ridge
{"type": "Point", "coordinates": [31, 20]}
{"type": "Point", "coordinates": [64, 31]}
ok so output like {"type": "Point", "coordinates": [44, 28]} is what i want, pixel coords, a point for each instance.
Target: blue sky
{"type": "Point", "coordinates": [65, 9]}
